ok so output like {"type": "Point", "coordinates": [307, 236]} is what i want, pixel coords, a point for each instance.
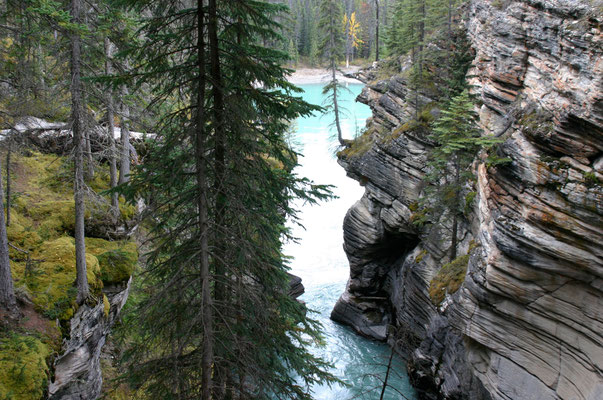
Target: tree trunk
{"type": "Point", "coordinates": [7, 291]}
{"type": "Point", "coordinates": [335, 105]}
{"type": "Point", "coordinates": [347, 41]}
{"type": "Point", "coordinates": [219, 249]}
{"type": "Point", "coordinates": [76, 116]}
{"type": "Point", "coordinates": [421, 27]}
{"type": "Point", "coordinates": [111, 132]}
{"type": "Point", "coordinates": [377, 30]}
{"type": "Point", "coordinates": [455, 212]}
{"type": "Point", "coordinates": [205, 277]}
{"type": "Point", "coordinates": [8, 153]}
{"type": "Point", "coordinates": [124, 165]}
{"type": "Point", "coordinates": [89, 159]}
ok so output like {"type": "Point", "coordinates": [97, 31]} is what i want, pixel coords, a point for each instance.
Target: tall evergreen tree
{"type": "Point", "coordinates": [216, 305]}
{"type": "Point", "coordinates": [7, 293]}
{"type": "Point", "coordinates": [77, 128]}
{"type": "Point", "coordinates": [458, 141]}
{"type": "Point", "coordinates": [331, 48]}
{"type": "Point", "coordinates": [377, 43]}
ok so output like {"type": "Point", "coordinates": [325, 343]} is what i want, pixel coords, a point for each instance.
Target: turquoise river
{"type": "Point", "coordinates": [319, 259]}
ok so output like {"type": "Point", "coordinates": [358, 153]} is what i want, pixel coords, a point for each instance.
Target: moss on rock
{"type": "Point", "coordinates": [51, 283]}
{"type": "Point", "coordinates": [106, 306]}
{"type": "Point", "coordinates": [23, 368]}
{"type": "Point", "coordinates": [449, 279]}
{"type": "Point", "coordinates": [117, 260]}
{"type": "Point", "coordinates": [42, 217]}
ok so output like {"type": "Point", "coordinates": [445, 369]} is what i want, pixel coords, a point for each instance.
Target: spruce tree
{"type": "Point", "coordinates": [7, 293]}
{"type": "Point", "coordinates": [457, 142]}
{"type": "Point", "coordinates": [215, 310]}
{"type": "Point", "coordinates": [331, 15]}
{"type": "Point", "coordinates": [78, 145]}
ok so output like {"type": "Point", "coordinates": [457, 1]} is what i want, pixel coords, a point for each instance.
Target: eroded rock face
{"type": "Point", "coordinates": [77, 372]}
{"type": "Point", "coordinates": [527, 322]}
{"type": "Point", "coordinates": [530, 300]}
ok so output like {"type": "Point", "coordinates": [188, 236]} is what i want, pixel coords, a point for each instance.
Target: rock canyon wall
{"type": "Point", "coordinates": [526, 322]}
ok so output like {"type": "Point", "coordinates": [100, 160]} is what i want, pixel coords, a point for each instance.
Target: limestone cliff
{"type": "Point", "coordinates": [527, 321]}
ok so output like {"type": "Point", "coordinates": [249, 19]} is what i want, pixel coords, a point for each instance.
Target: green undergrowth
{"type": "Point", "coordinates": [23, 367]}
{"type": "Point", "coordinates": [43, 266]}
{"type": "Point", "coordinates": [360, 145]}
{"type": "Point", "coordinates": [42, 222]}
{"type": "Point", "coordinates": [449, 279]}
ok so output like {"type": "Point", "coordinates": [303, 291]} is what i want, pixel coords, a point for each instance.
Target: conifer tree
{"type": "Point", "coordinates": [77, 128]}
{"type": "Point", "coordinates": [111, 128]}
{"type": "Point", "coordinates": [7, 293]}
{"type": "Point", "coordinates": [377, 43]}
{"type": "Point", "coordinates": [331, 49]}
{"type": "Point", "coordinates": [216, 306]}
{"type": "Point", "coordinates": [458, 141]}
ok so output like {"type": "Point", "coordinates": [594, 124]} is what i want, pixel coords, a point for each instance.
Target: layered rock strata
{"type": "Point", "coordinates": [527, 322]}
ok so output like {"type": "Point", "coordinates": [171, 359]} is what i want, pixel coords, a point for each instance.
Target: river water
{"type": "Point", "coordinates": [319, 259]}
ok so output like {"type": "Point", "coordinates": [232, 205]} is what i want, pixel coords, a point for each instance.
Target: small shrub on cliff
{"type": "Point", "coordinates": [449, 279]}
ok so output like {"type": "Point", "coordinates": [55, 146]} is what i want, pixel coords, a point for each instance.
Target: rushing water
{"type": "Point", "coordinates": [320, 261]}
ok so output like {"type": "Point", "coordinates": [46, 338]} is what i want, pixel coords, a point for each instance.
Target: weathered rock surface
{"type": "Point", "coordinates": [296, 287]}
{"type": "Point", "coordinates": [77, 371]}
{"type": "Point", "coordinates": [531, 299]}
{"type": "Point", "coordinates": [527, 322]}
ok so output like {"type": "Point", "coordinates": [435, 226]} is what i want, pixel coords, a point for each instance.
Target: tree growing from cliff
{"type": "Point", "coordinates": [457, 143]}
{"type": "Point", "coordinates": [331, 49]}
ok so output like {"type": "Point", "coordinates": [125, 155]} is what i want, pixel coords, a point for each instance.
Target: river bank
{"type": "Point", "coordinates": [306, 76]}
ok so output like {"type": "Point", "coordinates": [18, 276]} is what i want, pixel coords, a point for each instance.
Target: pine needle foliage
{"type": "Point", "coordinates": [259, 335]}
{"type": "Point", "coordinates": [458, 141]}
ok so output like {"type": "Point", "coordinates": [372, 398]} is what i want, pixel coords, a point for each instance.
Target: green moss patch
{"type": "Point", "coordinates": [43, 266]}
{"type": "Point", "coordinates": [51, 283]}
{"type": "Point", "coordinates": [42, 220]}
{"type": "Point", "coordinates": [360, 145]}
{"type": "Point", "coordinates": [23, 367]}
{"type": "Point", "coordinates": [117, 260]}
{"type": "Point", "coordinates": [449, 279]}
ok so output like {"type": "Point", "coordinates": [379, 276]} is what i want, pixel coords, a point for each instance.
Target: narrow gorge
{"type": "Point", "coordinates": [526, 322]}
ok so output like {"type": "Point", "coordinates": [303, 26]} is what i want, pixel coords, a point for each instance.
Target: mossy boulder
{"type": "Point", "coordinates": [51, 283]}
{"type": "Point", "coordinates": [23, 367]}
{"type": "Point", "coordinates": [117, 260]}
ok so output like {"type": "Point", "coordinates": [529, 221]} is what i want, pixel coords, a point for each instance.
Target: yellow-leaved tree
{"type": "Point", "coordinates": [352, 30]}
